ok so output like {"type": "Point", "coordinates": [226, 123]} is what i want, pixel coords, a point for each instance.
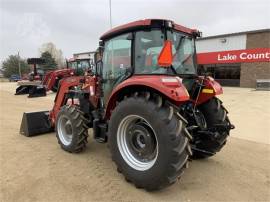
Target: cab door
{"type": "Point", "coordinates": [116, 60]}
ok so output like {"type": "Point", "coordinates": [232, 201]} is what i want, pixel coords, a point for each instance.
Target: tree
{"type": "Point", "coordinates": [11, 66]}
{"type": "Point", "coordinates": [57, 54]}
{"type": "Point", "coordinates": [50, 63]}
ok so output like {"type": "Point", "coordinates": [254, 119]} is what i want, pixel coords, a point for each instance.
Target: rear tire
{"type": "Point", "coordinates": [71, 129]}
{"type": "Point", "coordinates": [161, 158]}
{"type": "Point", "coordinates": [214, 113]}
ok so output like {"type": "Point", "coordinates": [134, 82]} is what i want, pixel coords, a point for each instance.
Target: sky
{"type": "Point", "coordinates": [75, 25]}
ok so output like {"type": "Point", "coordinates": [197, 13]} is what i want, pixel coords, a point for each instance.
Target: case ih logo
{"type": "Point", "coordinates": [236, 56]}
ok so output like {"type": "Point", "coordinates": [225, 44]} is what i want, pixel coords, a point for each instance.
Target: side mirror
{"type": "Point", "coordinates": [100, 47]}
{"type": "Point", "coordinates": [165, 57]}
{"type": "Point", "coordinates": [101, 43]}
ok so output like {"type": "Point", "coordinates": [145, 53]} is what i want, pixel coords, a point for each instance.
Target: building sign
{"type": "Point", "coordinates": [235, 56]}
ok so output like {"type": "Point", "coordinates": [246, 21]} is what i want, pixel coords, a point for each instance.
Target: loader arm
{"type": "Point", "coordinates": [65, 85]}
{"type": "Point", "coordinates": [46, 77]}
{"type": "Point", "coordinates": [51, 77]}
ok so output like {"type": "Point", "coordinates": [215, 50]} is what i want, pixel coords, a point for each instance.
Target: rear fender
{"type": "Point", "coordinates": [211, 89]}
{"type": "Point", "coordinates": [170, 87]}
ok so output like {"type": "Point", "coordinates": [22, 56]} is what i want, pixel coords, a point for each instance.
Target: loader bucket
{"type": "Point", "coordinates": [37, 91]}
{"type": "Point", "coordinates": [24, 89]}
{"type": "Point", "coordinates": [35, 123]}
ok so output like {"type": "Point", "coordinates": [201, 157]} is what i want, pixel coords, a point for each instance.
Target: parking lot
{"type": "Point", "coordinates": [36, 169]}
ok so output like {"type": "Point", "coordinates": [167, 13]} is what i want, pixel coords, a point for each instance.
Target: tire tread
{"type": "Point", "coordinates": [179, 140]}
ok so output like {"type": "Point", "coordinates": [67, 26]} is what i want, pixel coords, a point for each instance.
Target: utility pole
{"type": "Point", "coordinates": [20, 73]}
{"type": "Point", "coordinates": [110, 5]}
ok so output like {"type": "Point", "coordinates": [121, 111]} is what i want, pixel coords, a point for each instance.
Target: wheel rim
{"type": "Point", "coordinates": [65, 130]}
{"type": "Point", "coordinates": [137, 142]}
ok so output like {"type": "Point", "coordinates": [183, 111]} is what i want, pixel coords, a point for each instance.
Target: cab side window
{"type": "Point", "coordinates": [147, 48]}
{"type": "Point", "coordinates": [116, 60]}
{"type": "Point", "coordinates": [116, 56]}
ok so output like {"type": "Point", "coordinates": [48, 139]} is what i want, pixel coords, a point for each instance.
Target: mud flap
{"type": "Point", "coordinates": [24, 89]}
{"type": "Point", "coordinates": [37, 91]}
{"type": "Point", "coordinates": [35, 123]}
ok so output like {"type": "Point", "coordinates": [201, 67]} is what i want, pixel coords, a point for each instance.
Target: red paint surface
{"type": "Point", "coordinates": [60, 96]}
{"type": "Point", "coordinates": [92, 82]}
{"type": "Point", "coordinates": [176, 91]}
{"type": "Point", "coordinates": [235, 56]}
{"type": "Point", "coordinates": [142, 23]}
{"type": "Point", "coordinates": [126, 26]}
{"type": "Point", "coordinates": [51, 76]}
{"type": "Point", "coordinates": [209, 84]}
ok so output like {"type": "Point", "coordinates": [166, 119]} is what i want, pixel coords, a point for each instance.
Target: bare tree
{"type": "Point", "coordinates": [57, 54]}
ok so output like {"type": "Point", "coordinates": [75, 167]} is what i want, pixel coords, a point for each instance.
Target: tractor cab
{"type": "Point", "coordinates": [37, 72]}
{"type": "Point", "coordinates": [80, 66]}
{"type": "Point", "coordinates": [147, 47]}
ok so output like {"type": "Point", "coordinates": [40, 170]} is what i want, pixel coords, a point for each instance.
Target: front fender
{"type": "Point", "coordinates": [170, 87]}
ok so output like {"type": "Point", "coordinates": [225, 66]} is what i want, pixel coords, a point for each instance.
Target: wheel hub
{"type": "Point", "coordinates": [137, 142]}
{"type": "Point", "coordinates": [65, 130]}
{"type": "Point", "coordinates": [142, 141]}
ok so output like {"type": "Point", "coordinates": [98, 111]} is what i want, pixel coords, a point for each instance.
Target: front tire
{"type": "Point", "coordinates": [148, 141]}
{"type": "Point", "coordinates": [214, 114]}
{"type": "Point", "coordinates": [71, 129]}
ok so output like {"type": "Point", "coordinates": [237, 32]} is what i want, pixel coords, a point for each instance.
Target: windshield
{"type": "Point", "coordinates": [148, 45]}
{"type": "Point", "coordinates": [72, 65]}
{"type": "Point", "coordinates": [80, 66]}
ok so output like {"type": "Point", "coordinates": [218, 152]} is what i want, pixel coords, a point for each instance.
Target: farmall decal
{"type": "Point", "coordinates": [236, 56]}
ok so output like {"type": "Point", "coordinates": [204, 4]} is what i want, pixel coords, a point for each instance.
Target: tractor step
{"type": "Point", "coordinates": [35, 123]}
{"type": "Point", "coordinates": [100, 131]}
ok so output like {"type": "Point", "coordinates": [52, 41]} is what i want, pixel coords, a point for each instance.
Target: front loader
{"type": "Point", "coordinates": [146, 100]}
{"type": "Point", "coordinates": [51, 79]}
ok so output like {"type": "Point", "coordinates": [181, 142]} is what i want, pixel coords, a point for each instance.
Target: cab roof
{"type": "Point", "coordinates": [142, 24]}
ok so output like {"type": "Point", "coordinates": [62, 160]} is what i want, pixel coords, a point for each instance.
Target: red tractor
{"type": "Point", "coordinates": [38, 87]}
{"type": "Point", "coordinates": [34, 78]}
{"type": "Point", "coordinates": [144, 98]}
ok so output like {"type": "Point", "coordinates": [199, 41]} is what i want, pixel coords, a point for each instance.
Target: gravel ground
{"type": "Point", "coordinates": [36, 169]}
